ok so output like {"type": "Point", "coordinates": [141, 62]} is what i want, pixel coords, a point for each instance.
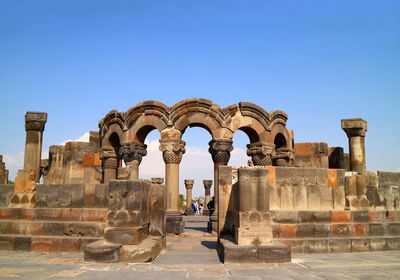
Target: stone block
{"type": "Point", "coordinates": [275, 197]}
{"type": "Point", "coordinates": [361, 184]}
{"type": "Point", "coordinates": [326, 198]}
{"type": "Point", "coordinates": [376, 216]}
{"type": "Point", "coordinates": [360, 245]}
{"type": "Point", "coordinates": [77, 195]}
{"type": "Point", "coordinates": [94, 215]}
{"type": "Point", "coordinates": [359, 216]}
{"type": "Point", "coordinates": [393, 229]}
{"type": "Point", "coordinates": [322, 230]}
{"type": "Point", "coordinates": [392, 216]}
{"type": "Point", "coordinates": [71, 214]}
{"type": "Point", "coordinates": [321, 176]}
{"type": "Point", "coordinates": [351, 185]}
{"type": "Point", "coordinates": [47, 214]}
{"type": "Point", "coordinates": [378, 244]}
{"type": "Point", "coordinates": [288, 231]}
{"type": "Point", "coordinates": [83, 229]}
{"type": "Point", "coordinates": [376, 229]}
{"type": "Point", "coordinates": [147, 251]}
{"type": "Point", "coordinates": [123, 218]}
{"type": "Point", "coordinates": [341, 177]}
{"type": "Point", "coordinates": [341, 230]}
{"type": "Point", "coordinates": [53, 228]}
{"type": "Point", "coordinates": [67, 244]}
{"type": "Point", "coordinates": [6, 191]}
{"type": "Point", "coordinates": [102, 251]}
{"type": "Point", "coordinates": [359, 230]}
{"type": "Point", "coordinates": [339, 245]}
{"type": "Point", "coordinates": [338, 196]}
{"type": "Point", "coordinates": [42, 244]}
{"type": "Point", "coordinates": [126, 235]}
{"type": "Point", "coordinates": [305, 230]}
{"type": "Point", "coordinates": [313, 198]}
{"type": "Point", "coordinates": [332, 178]}
{"type": "Point", "coordinates": [316, 246]}
{"type": "Point", "coordinates": [393, 244]}
{"type": "Point", "coordinates": [300, 198]}
{"type": "Point", "coordinates": [22, 243]}
{"type": "Point", "coordinates": [388, 179]}
{"type": "Point", "coordinates": [286, 217]}
{"type": "Point", "coordinates": [6, 243]}
{"type": "Point", "coordinates": [101, 196]}
{"type": "Point", "coordinates": [286, 198]}
{"type": "Point", "coordinates": [229, 252]}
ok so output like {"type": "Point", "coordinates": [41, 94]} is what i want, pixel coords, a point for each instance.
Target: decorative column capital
{"type": "Point", "coordinates": [354, 127]}
{"type": "Point", "coordinates": [172, 150]}
{"type": "Point", "coordinates": [189, 183]}
{"type": "Point", "coordinates": [261, 153]}
{"type": "Point", "coordinates": [158, 181]}
{"type": "Point", "coordinates": [207, 184]}
{"type": "Point", "coordinates": [109, 158]}
{"type": "Point", "coordinates": [132, 153]}
{"type": "Point", "coordinates": [35, 121]}
{"type": "Point", "coordinates": [220, 150]}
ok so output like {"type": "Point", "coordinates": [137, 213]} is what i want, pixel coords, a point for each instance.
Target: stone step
{"type": "Point", "coordinates": [52, 228]}
{"type": "Point", "coordinates": [13, 242]}
{"type": "Point", "coordinates": [61, 214]}
{"type": "Point", "coordinates": [342, 245]}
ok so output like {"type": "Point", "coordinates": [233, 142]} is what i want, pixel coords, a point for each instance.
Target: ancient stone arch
{"type": "Point", "coordinates": [264, 129]}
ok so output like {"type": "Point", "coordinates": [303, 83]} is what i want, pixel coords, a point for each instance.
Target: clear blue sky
{"type": "Point", "coordinates": [320, 61]}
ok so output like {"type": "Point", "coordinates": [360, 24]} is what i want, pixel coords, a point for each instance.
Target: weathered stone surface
{"type": "Point", "coordinates": [229, 252]}
{"type": "Point", "coordinates": [61, 195]}
{"type": "Point", "coordinates": [102, 251]}
{"type": "Point", "coordinates": [388, 179]}
{"type": "Point", "coordinates": [360, 245]}
{"type": "Point", "coordinates": [126, 235]}
{"type": "Point", "coordinates": [6, 192]}
{"type": "Point", "coordinates": [146, 251]}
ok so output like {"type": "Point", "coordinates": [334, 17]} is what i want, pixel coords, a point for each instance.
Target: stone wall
{"type": "Point", "coordinates": [75, 163]}
{"type": "Point", "coordinates": [3, 172]}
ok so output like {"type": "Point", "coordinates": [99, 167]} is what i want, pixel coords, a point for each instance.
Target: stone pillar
{"type": "Point", "coordinates": [189, 186]}
{"type": "Point", "coordinates": [132, 153]}
{"type": "Point", "coordinates": [34, 126]}
{"type": "Point", "coordinates": [261, 153]}
{"type": "Point", "coordinates": [172, 150]}
{"type": "Point", "coordinates": [220, 150]}
{"type": "Point", "coordinates": [110, 165]}
{"type": "Point", "coordinates": [355, 130]}
{"type": "Point", "coordinates": [207, 187]}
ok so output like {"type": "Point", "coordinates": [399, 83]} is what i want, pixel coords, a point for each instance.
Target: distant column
{"type": "Point", "coordinates": [189, 188]}
{"type": "Point", "coordinates": [355, 130]}
{"type": "Point", "coordinates": [34, 126]}
{"type": "Point", "coordinates": [207, 187]}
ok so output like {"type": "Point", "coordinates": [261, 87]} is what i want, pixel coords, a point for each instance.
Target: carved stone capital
{"type": "Point", "coordinates": [207, 184]}
{"type": "Point", "coordinates": [132, 153]}
{"type": "Point", "coordinates": [220, 150]}
{"type": "Point", "coordinates": [189, 183]}
{"type": "Point", "coordinates": [354, 127]}
{"type": "Point", "coordinates": [261, 153]}
{"type": "Point", "coordinates": [283, 157]}
{"type": "Point", "coordinates": [35, 121]}
{"type": "Point", "coordinates": [172, 150]}
{"type": "Point", "coordinates": [109, 158]}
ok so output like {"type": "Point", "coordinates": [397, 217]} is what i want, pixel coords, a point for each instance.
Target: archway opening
{"type": "Point", "coordinates": [240, 139]}
{"type": "Point", "coordinates": [280, 142]}
{"type": "Point", "coordinates": [152, 164]}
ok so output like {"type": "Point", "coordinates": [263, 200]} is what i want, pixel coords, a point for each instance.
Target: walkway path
{"type": "Point", "coordinates": [187, 258]}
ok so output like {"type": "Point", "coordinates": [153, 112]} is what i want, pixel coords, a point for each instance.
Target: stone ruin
{"type": "Point", "coordinates": [294, 197]}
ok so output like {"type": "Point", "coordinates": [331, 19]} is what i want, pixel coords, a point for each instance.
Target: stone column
{"type": "Point", "coordinates": [110, 164]}
{"type": "Point", "coordinates": [220, 150]}
{"type": "Point", "coordinates": [132, 153]}
{"type": "Point", "coordinates": [261, 153]}
{"type": "Point", "coordinates": [355, 130]}
{"type": "Point", "coordinates": [207, 187]}
{"type": "Point", "coordinates": [189, 186]}
{"type": "Point", "coordinates": [34, 126]}
{"type": "Point", "coordinates": [172, 150]}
